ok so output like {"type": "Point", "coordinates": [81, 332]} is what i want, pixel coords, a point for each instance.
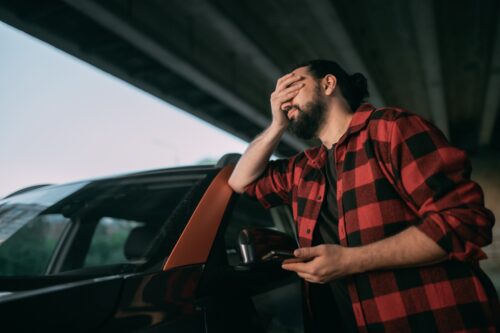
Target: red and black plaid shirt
{"type": "Point", "coordinates": [396, 170]}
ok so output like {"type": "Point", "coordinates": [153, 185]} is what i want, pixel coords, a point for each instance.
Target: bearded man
{"type": "Point", "coordinates": [389, 223]}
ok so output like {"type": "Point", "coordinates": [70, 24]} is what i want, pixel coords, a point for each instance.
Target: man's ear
{"type": "Point", "coordinates": [329, 83]}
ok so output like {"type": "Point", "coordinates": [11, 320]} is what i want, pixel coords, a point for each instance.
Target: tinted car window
{"type": "Point", "coordinates": [18, 210]}
{"type": "Point", "coordinates": [28, 237]}
{"type": "Point", "coordinates": [29, 250]}
{"type": "Point", "coordinates": [98, 224]}
{"type": "Point", "coordinates": [108, 242]}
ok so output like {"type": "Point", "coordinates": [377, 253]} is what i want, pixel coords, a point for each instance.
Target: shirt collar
{"type": "Point", "coordinates": [317, 155]}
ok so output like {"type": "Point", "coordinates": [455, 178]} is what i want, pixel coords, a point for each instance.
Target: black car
{"type": "Point", "coordinates": [171, 250]}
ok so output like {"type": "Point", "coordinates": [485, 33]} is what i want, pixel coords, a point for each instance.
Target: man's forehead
{"type": "Point", "coordinates": [304, 71]}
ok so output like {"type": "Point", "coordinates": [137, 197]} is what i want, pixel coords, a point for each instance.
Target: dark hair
{"type": "Point", "coordinates": [354, 87]}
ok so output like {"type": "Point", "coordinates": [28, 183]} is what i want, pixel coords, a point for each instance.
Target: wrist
{"type": "Point", "coordinates": [277, 128]}
{"type": "Point", "coordinates": [363, 260]}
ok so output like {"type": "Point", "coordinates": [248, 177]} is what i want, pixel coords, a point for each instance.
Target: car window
{"type": "Point", "coordinates": [29, 250]}
{"type": "Point", "coordinates": [124, 223]}
{"type": "Point", "coordinates": [71, 228]}
{"type": "Point", "coordinates": [108, 241]}
{"type": "Point", "coordinates": [28, 236]}
{"type": "Point", "coordinates": [18, 210]}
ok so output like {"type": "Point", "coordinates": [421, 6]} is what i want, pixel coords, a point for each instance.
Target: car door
{"type": "Point", "coordinates": [267, 301]}
{"type": "Point", "coordinates": [96, 255]}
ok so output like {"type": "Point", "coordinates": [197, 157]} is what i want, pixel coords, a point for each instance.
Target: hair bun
{"type": "Point", "coordinates": [360, 85]}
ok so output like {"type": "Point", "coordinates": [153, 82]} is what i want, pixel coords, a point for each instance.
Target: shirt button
{"type": "Point", "coordinates": [308, 231]}
{"type": "Point", "coordinates": [318, 197]}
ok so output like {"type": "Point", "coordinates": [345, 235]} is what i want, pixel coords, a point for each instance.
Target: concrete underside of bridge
{"type": "Point", "coordinates": [219, 59]}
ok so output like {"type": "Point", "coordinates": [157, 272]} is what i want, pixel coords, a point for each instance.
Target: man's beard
{"type": "Point", "coordinates": [309, 119]}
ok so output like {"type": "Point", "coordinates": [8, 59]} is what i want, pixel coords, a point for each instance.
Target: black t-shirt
{"type": "Point", "coordinates": [330, 303]}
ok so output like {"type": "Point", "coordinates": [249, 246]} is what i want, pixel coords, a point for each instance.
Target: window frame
{"type": "Point", "coordinates": [74, 242]}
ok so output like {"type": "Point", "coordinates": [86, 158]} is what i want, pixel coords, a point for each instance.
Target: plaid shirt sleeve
{"type": "Point", "coordinates": [274, 186]}
{"type": "Point", "coordinates": [436, 178]}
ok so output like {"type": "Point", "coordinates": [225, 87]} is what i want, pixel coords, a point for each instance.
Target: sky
{"type": "Point", "coordinates": [62, 120]}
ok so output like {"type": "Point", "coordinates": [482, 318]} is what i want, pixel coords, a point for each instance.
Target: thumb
{"type": "Point", "coordinates": [306, 252]}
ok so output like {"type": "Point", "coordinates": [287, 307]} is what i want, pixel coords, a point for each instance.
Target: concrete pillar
{"type": "Point", "coordinates": [486, 171]}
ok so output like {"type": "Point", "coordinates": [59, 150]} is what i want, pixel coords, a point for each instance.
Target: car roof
{"type": "Point", "coordinates": [230, 158]}
{"type": "Point", "coordinates": [153, 172]}
{"type": "Point", "coordinates": [193, 169]}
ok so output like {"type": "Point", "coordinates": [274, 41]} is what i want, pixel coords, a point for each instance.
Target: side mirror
{"type": "Point", "coordinates": [255, 243]}
{"type": "Point", "coordinates": [253, 275]}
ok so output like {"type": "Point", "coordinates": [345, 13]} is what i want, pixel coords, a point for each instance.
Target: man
{"type": "Point", "coordinates": [389, 223]}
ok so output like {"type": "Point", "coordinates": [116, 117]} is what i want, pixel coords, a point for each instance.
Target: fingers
{"type": "Point", "coordinates": [291, 88]}
{"type": "Point", "coordinates": [287, 87]}
{"type": "Point", "coordinates": [296, 267]}
{"type": "Point", "coordinates": [306, 274]}
{"type": "Point", "coordinates": [310, 278]}
{"type": "Point", "coordinates": [287, 94]}
{"type": "Point", "coordinates": [310, 267]}
{"type": "Point", "coordinates": [308, 252]}
{"type": "Point", "coordinates": [279, 82]}
{"type": "Point", "coordinates": [287, 80]}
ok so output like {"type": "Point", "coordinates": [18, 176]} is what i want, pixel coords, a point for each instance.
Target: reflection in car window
{"type": "Point", "coordinates": [20, 209]}
{"type": "Point", "coordinates": [108, 241]}
{"type": "Point", "coordinates": [28, 251]}
{"type": "Point", "coordinates": [27, 239]}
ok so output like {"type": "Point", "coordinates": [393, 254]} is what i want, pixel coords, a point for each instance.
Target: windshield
{"type": "Point", "coordinates": [78, 226]}
{"type": "Point", "coordinates": [17, 211]}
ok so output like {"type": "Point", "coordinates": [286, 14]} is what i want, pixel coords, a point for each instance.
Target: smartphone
{"type": "Point", "coordinates": [278, 255]}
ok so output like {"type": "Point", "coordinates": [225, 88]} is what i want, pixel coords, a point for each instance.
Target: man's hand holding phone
{"type": "Point", "coordinates": [286, 257]}
{"type": "Point", "coordinates": [325, 262]}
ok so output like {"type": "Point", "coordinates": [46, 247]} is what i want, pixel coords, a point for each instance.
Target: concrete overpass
{"type": "Point", "coordinates": [219, 59]}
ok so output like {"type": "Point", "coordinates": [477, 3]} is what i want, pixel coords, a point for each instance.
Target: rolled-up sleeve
{"type": "Point", "coordinates": [436, 178]}
{"type": "Point", "coordinates": [274, 186]}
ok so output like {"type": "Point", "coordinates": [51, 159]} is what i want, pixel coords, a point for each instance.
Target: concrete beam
{"type": "Point", "coordinates": [425, 29]}
{"type": "Point", "coordinates": [492, 102]}
{"type": "Point", "coordinates": [94, 59]}
{"type": "Point", "coordinates": [327, 17]}
{"type": "Point", "coordinates": [149, 45]}
{"type": "Point", "coordinates": [240, 41]}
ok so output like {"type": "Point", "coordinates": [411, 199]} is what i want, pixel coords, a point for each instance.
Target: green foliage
{"type": "Point", "coordinates": [29, 250]}
{"type": "Point", "coordinates": [108, 242]}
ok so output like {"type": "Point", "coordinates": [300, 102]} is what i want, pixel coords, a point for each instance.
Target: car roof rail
{"type": "Point", "coordinates": [227, 159]}
{"type": "Point", "coordinates": [26, 189]}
